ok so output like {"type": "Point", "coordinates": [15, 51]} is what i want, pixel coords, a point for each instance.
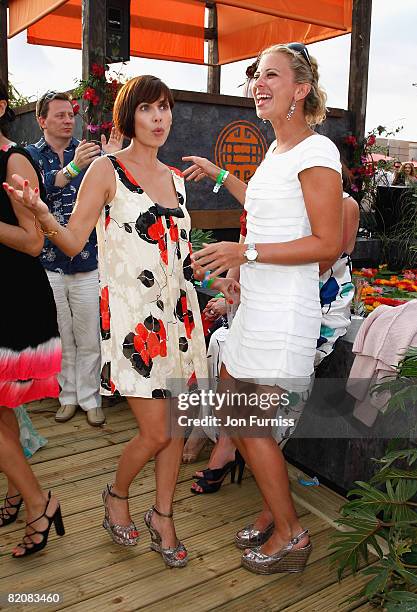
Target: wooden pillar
{"type": "Point", "coordinates": [359, 64]}
{"type": "Point", "coordinates": [93, 38]}
{"type": "Point", "coordinates": [213, 74]}
{"type": "Point", "coordinates": [4, 70]}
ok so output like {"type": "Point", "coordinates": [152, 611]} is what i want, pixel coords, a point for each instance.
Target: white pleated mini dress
{"type": "Point", "coordinates": [274, 334]}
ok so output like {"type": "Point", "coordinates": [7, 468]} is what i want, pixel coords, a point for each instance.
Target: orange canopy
{"type": "Point", "coordinates": [174, 29]}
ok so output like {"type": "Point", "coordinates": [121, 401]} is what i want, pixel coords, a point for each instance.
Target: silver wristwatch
{"type": "Point", "coordinates": [251, 253]}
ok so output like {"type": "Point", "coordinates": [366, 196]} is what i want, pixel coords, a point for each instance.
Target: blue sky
{"type": "Point", "coordinates": [392, 100]}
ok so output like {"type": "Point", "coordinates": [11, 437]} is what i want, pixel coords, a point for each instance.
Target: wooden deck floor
{"type": "Point", "coordinates": [93, 574]}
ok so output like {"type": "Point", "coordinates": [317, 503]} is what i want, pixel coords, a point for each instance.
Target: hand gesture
{"type": "Point", "coordinates": [114, 143]}
{"type": "Point", "coordinates": [230, 289]}
{"type": "Point", "coordinates": [201, 168]}
{"type": "Point", "coordinates": [215, 308]}
{"type": "Point", "coordinates": [217, 258]}
{"type": "Point", "coordinates": [26, 196]}
{"type": "Point", "coordinates": [85, 153]}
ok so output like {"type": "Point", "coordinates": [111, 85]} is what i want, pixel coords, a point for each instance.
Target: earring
{"type": "Point", "coordinates": [291, 110]}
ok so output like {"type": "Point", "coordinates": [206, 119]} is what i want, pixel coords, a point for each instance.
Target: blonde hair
{"type": "Point", "coordinates": [413, 170]}
{"type": "Point", "coordinates": [315, 101]}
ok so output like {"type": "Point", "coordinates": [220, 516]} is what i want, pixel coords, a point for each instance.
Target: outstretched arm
{"type": "Point", "coordinates": [322, 191]}
{"type": "Point", "coordinates": [96, 189]}
{"type": "Point", "coordinates": [23, 237]}
{"type": "Point", "coordinates": [202, 167]}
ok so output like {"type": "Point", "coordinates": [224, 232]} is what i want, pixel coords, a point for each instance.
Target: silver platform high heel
{"type": "Point", "coordinates": [249, 537]}
{"type": "Point", "coordinates": [125, 535]}
{"type": "Point", "coordinates": [173, 557]}
{"type": "Point", "coordinates": [285, 560]}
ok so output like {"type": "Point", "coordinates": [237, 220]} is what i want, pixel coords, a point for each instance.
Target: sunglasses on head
{"type": "Point", "coordinates": [300, 48]}
{"type": "Point", "coordinates": [47, 97]}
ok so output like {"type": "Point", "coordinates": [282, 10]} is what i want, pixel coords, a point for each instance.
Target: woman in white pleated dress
{"type": "Point", "coordinates": [294, 220]}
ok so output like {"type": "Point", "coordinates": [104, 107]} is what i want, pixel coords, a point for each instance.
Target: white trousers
{"type": "Point", "coordinates": [77, 303]}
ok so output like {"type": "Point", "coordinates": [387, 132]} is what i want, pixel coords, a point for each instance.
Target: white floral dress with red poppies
{"type": "Point", "coordinates": [150, 321]}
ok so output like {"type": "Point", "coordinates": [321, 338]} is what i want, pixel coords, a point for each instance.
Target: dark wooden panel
{"type": "Point", "coordinates": [215, 219]}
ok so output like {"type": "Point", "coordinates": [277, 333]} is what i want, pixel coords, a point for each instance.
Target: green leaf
{"type": "Point", "coordinates": [199, 236]}
{"type": "Point", "coordinates": [377, 584]}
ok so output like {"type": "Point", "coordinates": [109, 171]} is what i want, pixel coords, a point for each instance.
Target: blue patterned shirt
{"type": "Point", "coordinates": [61, 201]}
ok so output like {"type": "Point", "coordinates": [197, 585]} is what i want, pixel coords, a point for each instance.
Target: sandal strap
{"type": "Point", "coordinates": [5, 510]}
{"type": "Point", "coordinates": [155, 509]}
{"type": "Point", "coordinates": [299, 537]}
{"type": "Point", "coordinates": [9, 497]}
{"type": "Point", "coordinates": [112, 494]}
{"type": "Point", "coordinates": [217, 473]}
{"type": "Point", "coordinates": [43, 514]}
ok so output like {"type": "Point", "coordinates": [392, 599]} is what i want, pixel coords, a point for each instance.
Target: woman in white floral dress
{"type": "Point", "coordinates": [150, 321]}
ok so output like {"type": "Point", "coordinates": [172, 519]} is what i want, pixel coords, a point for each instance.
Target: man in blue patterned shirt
{"type": "Point", "coordinates": [63, 161]}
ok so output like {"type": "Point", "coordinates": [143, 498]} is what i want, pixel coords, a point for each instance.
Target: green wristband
{"type": "Point", "coordinates": [219, 295]}
{"type": "Point", "coordinates": [219, 179]}
{"type": "Point", "coordinates": [75, 167]}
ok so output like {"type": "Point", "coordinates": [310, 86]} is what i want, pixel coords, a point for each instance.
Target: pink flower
{"type": "Point", "coordinates": [91, 127]}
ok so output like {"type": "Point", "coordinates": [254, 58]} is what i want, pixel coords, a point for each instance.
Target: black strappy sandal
{"type": "Point", "coordinates": [5, 517]}
{"type": "Point", "coordinates": [28, 545]}
{"type": "Point", "coordinates": [213, 479]}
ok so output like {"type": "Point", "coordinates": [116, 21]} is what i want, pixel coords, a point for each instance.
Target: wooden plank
{"type": "Point", "coordinates": [337, 593]}
{"type": "Point", "coordinates": [322, 501]}
{"type": "Point", "coordinates": [202, 536]}
{"type": "Point", "coordinates": [217, 578]}
{"type": "Point", "coordinates": [327, 599]}
{"type": "Point", "coordinates": [192, 516]}
{"type": "Point", "coordinates": [84, 497]}
{"type": "Point", "coordinates": [215, 219]}
{"type": "Point", "coordinates": [97, 574]}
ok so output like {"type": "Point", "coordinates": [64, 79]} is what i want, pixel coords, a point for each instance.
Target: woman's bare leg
{"type": "Point", "coordinates": [270, 471]}
{"type": "Point", "coordinates": [152, 440]}
{"type": "Point", "coordinates": [194, 444]}
{"type": "Point", "coordinates": [8, 417]}
{"type": "Point", "coordinates": [17, 470]}
{"type": "Point", "coordinates": [167, 466]}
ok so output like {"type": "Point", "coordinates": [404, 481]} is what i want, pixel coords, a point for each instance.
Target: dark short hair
{"type": "Point", "coordinates": [42, 105]}
{"type": "Point", "coordinates": [9, 115]}
{"type": "Point", "coordinates": [145, 88]}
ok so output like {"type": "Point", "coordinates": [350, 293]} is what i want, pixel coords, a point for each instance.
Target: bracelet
{"type": "Point", "coordinates": [206, 283]}
{"type": "Point", "coordinates": [74, 167]}
{"type": "Point", "coordinates": [221, 177]}
{"type": "Point", "coordinates": [47, 233]}
{"type": "Point", "coordinates": [219, 295]}
{"type": "Point", "coordinates": [67, 174]}
{"type": "Point", "coordinates": [70, 171]}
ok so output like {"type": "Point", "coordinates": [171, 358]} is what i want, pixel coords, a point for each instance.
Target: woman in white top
{"type": "Point", "coordinates": [294, 220]}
